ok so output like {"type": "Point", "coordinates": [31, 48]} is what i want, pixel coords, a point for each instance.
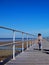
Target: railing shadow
{"type": "Point", "coordinates": [46, 51]}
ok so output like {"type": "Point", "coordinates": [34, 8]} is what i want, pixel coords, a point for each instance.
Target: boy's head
{"type": "Point", "coordinates": [39, 34]}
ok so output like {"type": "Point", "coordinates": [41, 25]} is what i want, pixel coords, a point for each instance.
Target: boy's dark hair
{"type": "Point", "coordinates": [39, 34]}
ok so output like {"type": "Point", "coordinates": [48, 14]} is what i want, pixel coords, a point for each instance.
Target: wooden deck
{"type": "Point", "coordinates": [32, 56]}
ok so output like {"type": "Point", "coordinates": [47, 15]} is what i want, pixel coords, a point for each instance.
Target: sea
{"type": "Point", "coordinates": [10, 39]}
{"type": "Point", "coordinates": [16, 39]}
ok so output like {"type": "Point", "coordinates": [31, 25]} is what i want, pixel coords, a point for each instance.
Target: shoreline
{"type": "Point", "coordinates": [5, 53]}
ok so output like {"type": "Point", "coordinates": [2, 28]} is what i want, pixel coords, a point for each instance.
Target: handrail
{"type": "Point", "coordinates": [15, 30]}
{"type": "Point", "coordinates": [14, 41]}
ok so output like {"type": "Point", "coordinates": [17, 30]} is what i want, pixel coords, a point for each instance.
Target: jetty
{"type": "Point", "coordinates": [31, 55]}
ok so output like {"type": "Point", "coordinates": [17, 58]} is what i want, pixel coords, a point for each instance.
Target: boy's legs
{"type": "Point", "coordinates": [39, 46]}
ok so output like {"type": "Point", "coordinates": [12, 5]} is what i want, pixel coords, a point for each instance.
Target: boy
{"type": "Point", "coordinates": [40, 41]}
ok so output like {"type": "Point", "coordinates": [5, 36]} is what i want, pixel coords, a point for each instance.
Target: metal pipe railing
{"type": "Point", "coordinates": [15, 30]}
{"type": "Point", "coordinates": [27, 41]}
{"type": "Point", "coordinates": [13, 44]}
{"type": "Point", "coordinates": [22, 42]}
{"type": "Point", "coordinates": [15, 41]}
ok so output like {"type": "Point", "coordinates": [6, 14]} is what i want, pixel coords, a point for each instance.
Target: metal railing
{"type": "Point", "coordinates": [14, 42]}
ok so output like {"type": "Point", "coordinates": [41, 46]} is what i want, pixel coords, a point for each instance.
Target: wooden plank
{"type": "Point", "coordinates": [32, 57]}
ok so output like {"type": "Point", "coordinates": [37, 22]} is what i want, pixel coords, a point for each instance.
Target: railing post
{"type": "Point", "coordinates": [27, 41]}
{"type": "Point", "coordinates": [22, 42]}
{"type": "Point", "coordinates": [30, 42]}
{"type": "Point", "coordinates": [13, 45]}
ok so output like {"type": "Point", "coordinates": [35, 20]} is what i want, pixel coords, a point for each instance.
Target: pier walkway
{"type": "Point", "coordinates": [32, 56]}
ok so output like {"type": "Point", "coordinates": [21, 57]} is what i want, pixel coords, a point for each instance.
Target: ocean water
{"type": "Point", "coordinates": [10, 39]}
{"type": "Point", "coordinates": [8, 48]}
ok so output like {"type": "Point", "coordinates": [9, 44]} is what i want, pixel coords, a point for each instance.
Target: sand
{"type": "Point", "coordinates": [5, 53]}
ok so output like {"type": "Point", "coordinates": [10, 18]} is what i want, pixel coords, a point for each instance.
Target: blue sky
{"type": "Point", "coordinates": [26, 15]}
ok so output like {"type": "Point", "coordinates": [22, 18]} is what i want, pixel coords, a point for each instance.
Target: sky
{"type": "Point", "coordinates": [30, 16]}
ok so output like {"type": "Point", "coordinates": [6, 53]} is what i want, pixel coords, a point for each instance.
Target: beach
{"type": "Point", "coordinates": [6, 50]}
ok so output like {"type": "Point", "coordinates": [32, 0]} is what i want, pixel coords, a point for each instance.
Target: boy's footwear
{"type": "Point", "coordinates": [39, 49]}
